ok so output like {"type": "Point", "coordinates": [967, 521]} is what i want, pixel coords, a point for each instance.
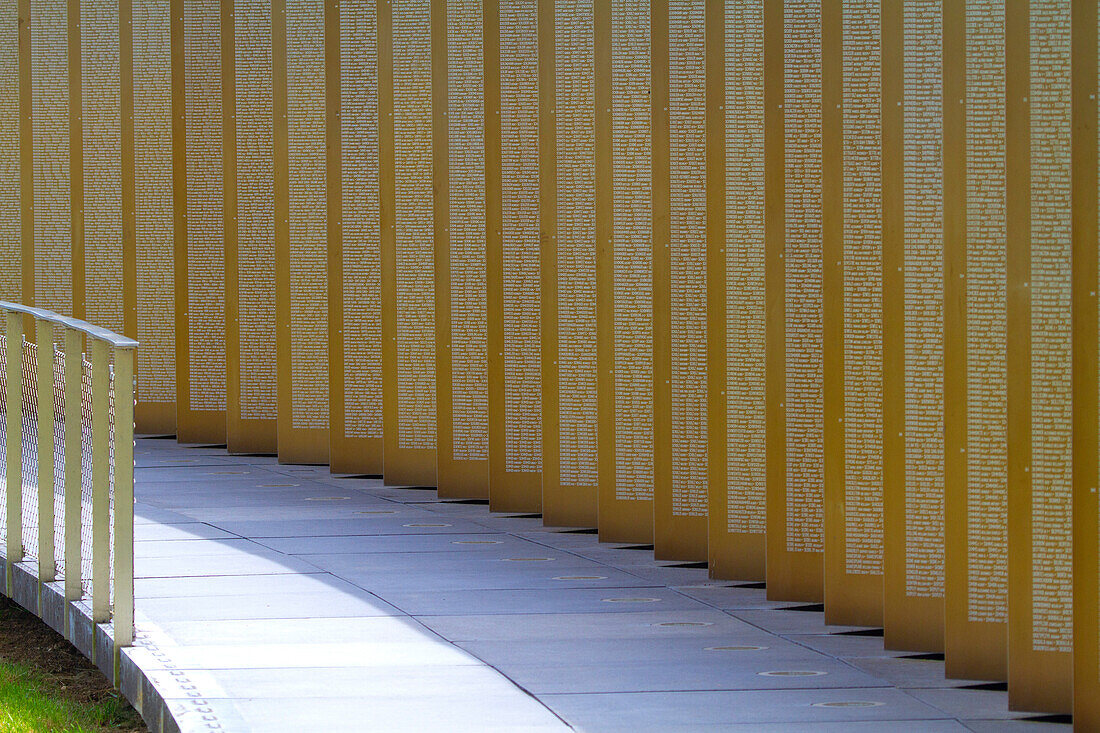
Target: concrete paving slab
{"type": "Point", "coordinates": [751, 650]}
{"type": "Point", "coordinates": [845, 645]}
{"type": "Point", "coordinates": [542, 601]}
{"type": "Point", "coordinates": [401, 543]}
{"type": "Point", "coordinates": [906, 672]}
{"type": "Point", "coordinates": [708, 624]}
{"type": "Point", "coordinates": [426, 652]}
{"type": "Point", "coordinates": [183, 531]}
{"type": "Point", "coordinates": [259, 606]}
{"type": "Point", "coordinates": [974, 704]}
{"type": "Point", "coordinates": [717, 674]}
{"type": "Point", "coordinates": [232, 585]}
{"type": "Point", "coordinates": [407, 683]}
{"type": "Point", "coordinates": [228, 545]}
{"type": "Point", "coordinates": [1034, 725]}
{"type": "Point", "coordinates": [353, 525]}
{"type": "Point", "coordinates": [664, 711]}
{"type": "Point", "coordinates": [780, 621]}
{"type": "Point", "coordinates": [363, 629]}
{"type": "Point", "coordinates": [468, 576]}
{"type": "Point", "coordinates": [435, 711]}
{"type": "Point", "coordinates": [212, 565]}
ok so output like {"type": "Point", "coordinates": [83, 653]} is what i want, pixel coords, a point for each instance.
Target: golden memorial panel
{"type": "Point", "coordinates": [249, 230]}
{"type": "Point", "coordinates": [52, 285]}
{"type": "Point", "coordinates": [301, 236]}
{"type": "Point", "coordinates": [852, 314]}
{"type": "Point", "coordinates": [512, 255]}
{"type": "Point", "coordinates": [795, 501]}
{"type": "Point", "coordinates": [1086, 367]}
{"type": "Point", "coordinates": [461, 356]}
{"type": "Point", "coordinates": [913, 305]}
{"type": "Point", "coordinates": [355, 296]}
{"type": "Point", "coordinates": [101, 137]}
{"type": "Point", "coordinates": [11, 206]}
{"type": "Point", "coordinates": [624, 270]}
{"type": "Point", "coordinates": [1039, 358]}
{"type": "Point", "coordinates": [155, 411]}
{"type": "Point", "coordinates": [736, 307]}
{"type": "Point", "coordinates": [975, 409]}
{"type": "Point", "coordinates": [680, 277]}
{"type": "Point", "coordinates": [567, 143]}
{"type": "Point", "coordinates": [408, 255]}
{"type": "Point", "coordinates": [200, 230]}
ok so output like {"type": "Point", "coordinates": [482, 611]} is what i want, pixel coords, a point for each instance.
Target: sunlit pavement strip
{"type": "Point", "coordinates": [280, 598]}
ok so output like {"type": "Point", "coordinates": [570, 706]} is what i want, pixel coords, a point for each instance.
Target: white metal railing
{"type": "Point", "coordinates": [67, 419]}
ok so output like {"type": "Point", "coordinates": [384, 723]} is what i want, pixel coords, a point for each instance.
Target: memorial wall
{"type": "Point", "coordinates": [852, 235]}
{"type": "Point", "coordinates": [568, 219]}
{"type": "Point", "coordinates": [249, 228]}
{"type": "Point", "coordinates": [461, 318]}
{"type": "Point", "coordinates": [406, 98]}
{"type": "Point", "coordinates": [913, 446]}
{"type": "Point", "coordinates": [512, 255]}
{"type": "Point", "coordinates": [1039, 226]}
{"type": "Point", "coordinates": [679, 282]}
{"type": "Point", "coordinates": [154, 218]}
{"type": "Point", "coordinates": [199, 224]}
{"type": "Point", "coordinates": [793, 339]}
{"type": "Point", "coordinates": [53, 278]}
{"type": "Point", "coordinates": [355, 245]}
{"type": "Point", "coordinates": [624, 271]}
{"type": "Point", "coordinates": [1086, 369]}
{"type": "Point", "coordinates": [736, 303]}
{"type": "Point", "coordinates": [11, 154]}
{"type": "Point", "coordinates": [805, 289]}
{"type": "Point", "coordinates": [975, 332]}
{"type": "Point", "coordinates": [108, 253]}
{"type": "Point", "coordinates": [301, 236]}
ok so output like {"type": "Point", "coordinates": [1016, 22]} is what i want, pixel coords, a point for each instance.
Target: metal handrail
{"type": "Point", "coordinates": [112, 484]}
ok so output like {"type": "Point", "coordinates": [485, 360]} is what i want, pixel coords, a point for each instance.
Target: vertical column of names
{"type": "Point", "coordinates": [255, 210]}
{"type": "Point", "coordinates": [802, 154]}
{"type": "Point", "coordinates": [862, 288]}
{"type": "Point", "coordinates": [11, 226]}
{"type": "Point", "coordinates": [360, 235]}
{"type": "Point", "coordinates": [631, 281]}
{"type": "Point", "coordinates": [306, 375]}
{"type": "Point", "coordinates": [742, 515]}
{"type": "Point", "coordinates": [466, 179]}
{"type": "Point", "coordinates": [412, 121]}
{"type": "Point", "coordinates": [53, 263]}
{"type": "Point", "coordinates": [519, 325]}
{"type": "Point", "coordinates": [986, 456]}
{"type": "Point", "coordinates": [204, 223]}
{"type": "Point", "coordinates": [687, 279]}
{"type": "Point", "coordinates": [101, 119]}
{"type": "Point", "coordinates": [156, 359]}
{"type": "Point", "coordinates": [796, 484]}
{"type": "Point", "coordinates": [1040, 218]}
{"type": "Point", "coordinates": [923, 301]}
{"type": "Point", "coordinates": [575, 260]}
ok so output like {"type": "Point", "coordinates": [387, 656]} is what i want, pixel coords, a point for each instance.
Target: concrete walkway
{"type": "Point", "coordinates": [280, 598]}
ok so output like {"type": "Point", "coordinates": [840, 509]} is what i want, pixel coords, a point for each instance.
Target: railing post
{"type": "Point", "coordinates": [74, 431]}
{"type": "Point", "coordinates": [47, 567]}
{"type": "Point", "coordinates": [101, 496]}
{"type": "Point", "coordinates": [124, 498]}
{"type": "Point", "coordinates": [13, 400]}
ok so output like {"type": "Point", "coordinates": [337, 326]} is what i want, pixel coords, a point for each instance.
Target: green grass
{"type": "Point", "coordinates": [30, 702]}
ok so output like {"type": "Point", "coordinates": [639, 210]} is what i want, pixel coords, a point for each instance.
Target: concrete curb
{"type": "Point", "coordinates": [95, 641]}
